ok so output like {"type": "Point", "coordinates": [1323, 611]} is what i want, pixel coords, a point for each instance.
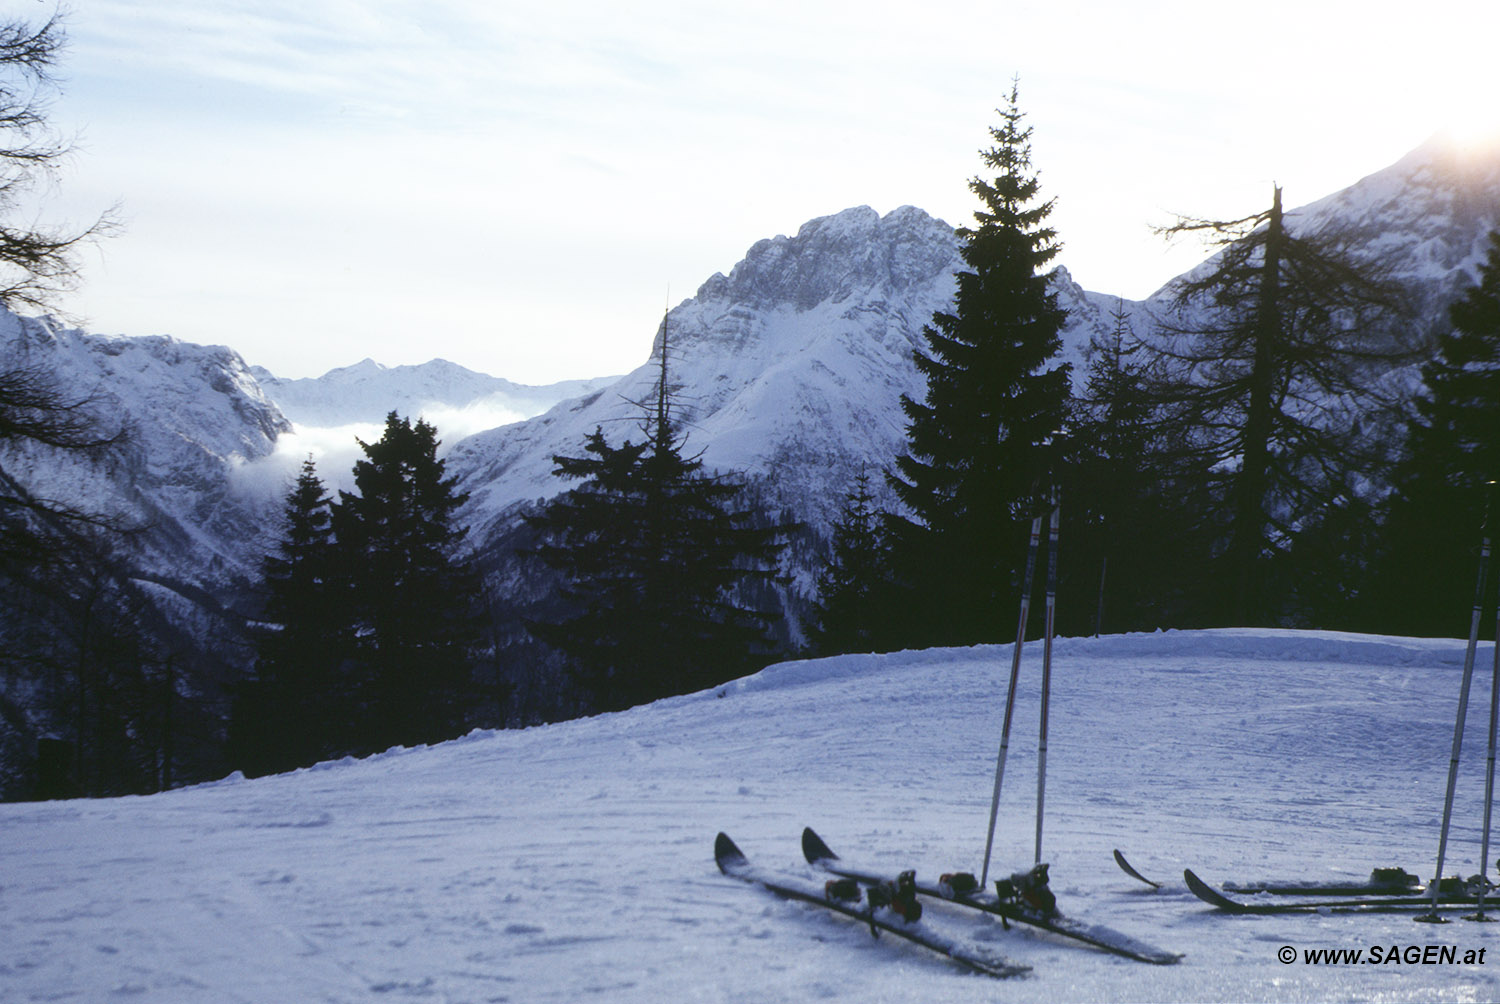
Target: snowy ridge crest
{"type": "Point", "coordinates": [1282, 645]}
{"type": "Point", "coordinates": [834, 257]}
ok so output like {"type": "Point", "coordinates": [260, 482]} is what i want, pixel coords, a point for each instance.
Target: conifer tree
{"type": "Point", "coordinates": [409, 589]}
{"type": "Point", "coordinates": [1284, 330]}
{"type": "Point", "coordinates": [979, 455]}
{"type": "Point", "coordinates": [852, 588]}
{"type": "Point", "coordinates": [656, 556]}
{"type": "Point", "coordinates": [289, 715]}
{"type": "Point", "coordinates": [1423, 579]}
{"type": "Point", "coordinates": [1109, 485]}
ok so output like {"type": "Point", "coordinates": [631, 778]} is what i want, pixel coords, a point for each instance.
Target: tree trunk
{"type": "Point", "coordinates": [1249, 517]}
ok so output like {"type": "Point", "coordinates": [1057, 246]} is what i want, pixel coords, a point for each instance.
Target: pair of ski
{"type": "Point", "coordinates": [1388, 890]}
{"type": "Point", "coordinates": [733, 862]}
{"type": "Point", "coordinates": [1391, 882]}
{"type": "Point", "coordinates": [1411, 901]}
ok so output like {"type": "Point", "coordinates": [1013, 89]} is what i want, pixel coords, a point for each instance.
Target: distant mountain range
{"type": "Point", "coordinates": [367, 391]}
{"type": "Point", "coordinates": [790, 370]}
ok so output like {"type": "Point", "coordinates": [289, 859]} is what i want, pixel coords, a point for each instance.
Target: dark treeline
{"type": "Point", "coordinates": [371, 621]}
{"type": "Point", "coordinates": [648, 578]}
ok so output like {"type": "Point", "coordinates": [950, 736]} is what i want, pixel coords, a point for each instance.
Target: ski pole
{"type": "Point", "coordinates": [1489, 768]}
{"type": "Point", "coordinates": [1041, 757]}
{"type": "Point", "coordinates": [1489, 776]}
{"type": "Point", "coordinates": [1010, 693]}
{"type": "Point", "coordinates": [1463, 710]}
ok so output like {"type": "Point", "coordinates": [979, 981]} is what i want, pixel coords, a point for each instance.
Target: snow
{"type": "Point", "coordinates": [790, 369]}
{"type": "Point", "coordinates": [459, 401]}
{"type": "Point", "coordinates": [574, 861]}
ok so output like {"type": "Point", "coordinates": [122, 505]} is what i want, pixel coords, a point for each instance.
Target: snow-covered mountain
{"type": "Point", "coordinates": [1429, 214]}
{"type": "Point", "coordinates": [444, 392]}
{"type": "Point", "coordinates": [1426, 219]}
{"type": "Point", "coordinates": [189, 417]}
{"type": "Point", "coordinates": [572, 863]}
{"type": "Point", "coordinates": [791, 368]}
{"type": "Point", "coordinates": [205, 451]}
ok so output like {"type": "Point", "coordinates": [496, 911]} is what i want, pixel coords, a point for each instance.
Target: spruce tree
{"type": "Point", "coordinates": [1108, 485]}
{"type": "Point", "coordinates": [852, 608]}
{"type": "Point", "coordinates": [979, 455]}
{"type": "Point", "coordinates": [288, 715]}
{"type": "Point", "coordinates": [1423, 578]}
{"type": "Point", "coordinates": [409, 589]}
{"type": "Point", "coordinates": [656, 556]}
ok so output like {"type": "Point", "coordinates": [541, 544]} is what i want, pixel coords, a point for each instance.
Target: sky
{"type": "Point", "coordinates": [522, 188]}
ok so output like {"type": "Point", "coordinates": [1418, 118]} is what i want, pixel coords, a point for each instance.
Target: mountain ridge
{"type": "Point", "coordinates": [366, 391]}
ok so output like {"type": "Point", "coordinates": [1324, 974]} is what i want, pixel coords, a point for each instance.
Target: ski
{"type": "Point", "coordinates": [1390, 882]}
{"type": "Point", "coordinates": [1107, 939]}
{"type": "Point", "coordinates": [732, 862]}
{"type": "Point", "coordinates": [1129, 869]}
{"type": "Point", "coordinates": [1367, 904]}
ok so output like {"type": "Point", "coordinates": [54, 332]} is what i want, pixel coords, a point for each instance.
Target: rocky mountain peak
{"type": "Point", "coordinates": [833, 257]}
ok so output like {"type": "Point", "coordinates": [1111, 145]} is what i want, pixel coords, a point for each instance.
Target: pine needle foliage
{"type": "Point", "coordinates": [410, 589]}
{"type": "Point", "coordinates": [656, 555]}
{"type": "Point", "coordinates": [979, 443]}
{"type": "Point", "coordinates": [1444, 491]}
{"type": "Point", "coordinates": [287, 716]}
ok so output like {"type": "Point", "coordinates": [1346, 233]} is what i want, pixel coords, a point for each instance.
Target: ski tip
{"type": "Point", "coordinates": [1129, 869]}
{"type": "Point", "coordinates": [814, 849]}
{"type": "Point", "coordinates": [1206, 892]}
{"type": "Point", "coordinates": [727, 854]}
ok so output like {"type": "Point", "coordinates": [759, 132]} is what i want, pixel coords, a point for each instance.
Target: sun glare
{"type": "Point", "coordinates": [1474, 128]}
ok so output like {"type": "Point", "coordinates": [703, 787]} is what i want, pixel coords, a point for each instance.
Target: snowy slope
{"type": "Point", "coordinates": [573, 862]}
